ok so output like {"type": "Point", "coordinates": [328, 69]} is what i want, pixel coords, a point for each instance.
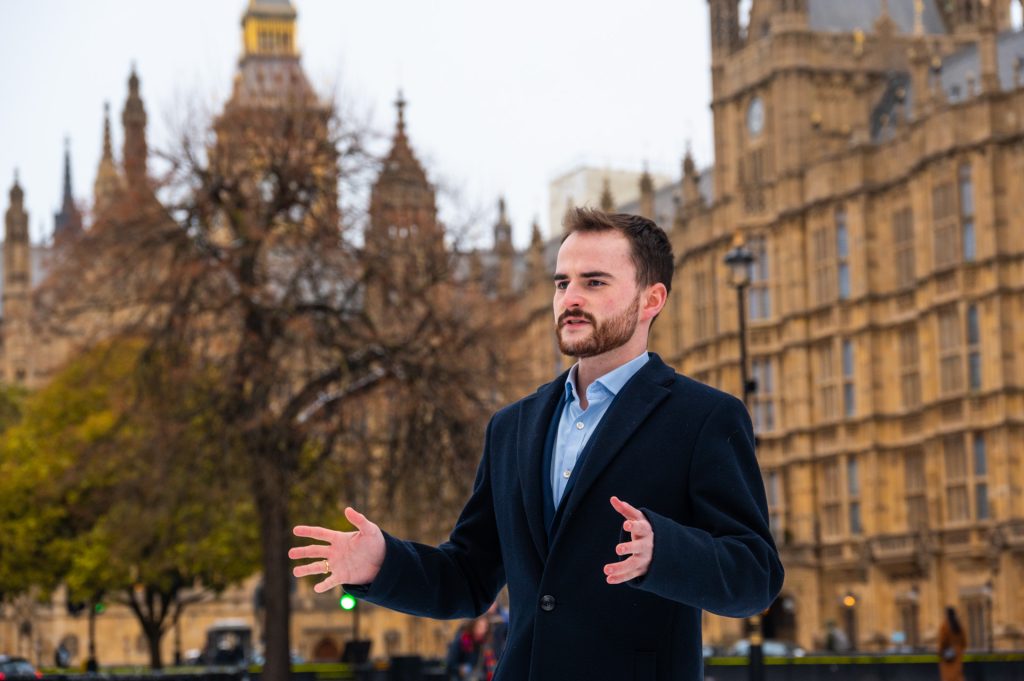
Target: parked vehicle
{"type": "Point", "coordinates": [17, 668]}
{"type": "Point", "coordinates": [770, 648]}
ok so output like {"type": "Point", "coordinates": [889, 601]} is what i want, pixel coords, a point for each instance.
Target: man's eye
{"type": "Point", "coordinates": [561, 285]}
{"type": "Point", "coordinates": [595, 282]}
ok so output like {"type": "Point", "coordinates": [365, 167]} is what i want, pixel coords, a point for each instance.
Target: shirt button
{"type": "Point", "coordinates": [547, 603]}
{"type": "Point", "coordinates": [566, 473]}
{"type": "Point", "coordinates": [579, 425]}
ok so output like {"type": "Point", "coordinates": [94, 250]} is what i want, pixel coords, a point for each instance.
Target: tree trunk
{"type": "Point", "coordinates": [153, 636]}
{"type": "Point", "coordinates": [92, 630]}
{"type": "Point", "coordinates": [151, 608]}
{"type": "Point", "coordinates": [272, 491]}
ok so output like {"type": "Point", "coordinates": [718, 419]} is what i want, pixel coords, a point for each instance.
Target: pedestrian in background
{"type": "Point", "coordinates": [836, 640]}
{"type": "Point", "coordinates": [62, 656]}
{"type": "Point", "coordinates": [499, 627]}
{"type": "Point", "coordinates": [952, 643]}
{"type": "Point", "coordinates": [471, 655]}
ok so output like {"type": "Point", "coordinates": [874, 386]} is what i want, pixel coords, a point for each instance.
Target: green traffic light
{"type": "Point", "coordinates": [348, 602]}
{"type": "Point", "coordinates": [99, 608]}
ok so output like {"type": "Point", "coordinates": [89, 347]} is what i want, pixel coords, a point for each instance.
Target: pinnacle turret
{"type": "Point", "coordinates": [136, 150]}
{"type": "Point", "coordinates": [67, 222]}
{"type": "Point", "coordinates": [607, 201]}
{"type": "Point", "coordinates": [16, 219]}
{"type": "Point", "coordinates": [108, 180]}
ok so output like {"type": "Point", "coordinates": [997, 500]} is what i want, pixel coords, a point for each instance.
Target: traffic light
{"type": "Point", "coordinates": [348, 602]}
{"type": "Point", "coordinates": [99, 608]}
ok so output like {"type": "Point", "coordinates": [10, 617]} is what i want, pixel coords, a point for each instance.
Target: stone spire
{"type": "Point", "coordinates": [402, 201]}
{"type": "Point", "coordinates": [504, 250]}
{"type": "Point", "coordinates": [607, 201]}
{"type": "Point", "coordinates": [68, 222]}
{"type": "Point", "coordinates": [535, 260]}
{"type": "Point", "coordinates": [502, 228]}
{"type": "Point", "coordinates": [16, 219]}
{"type": "Point", "coordinates": [402, 179]}
{"type": "Point", "coordinates": [108, 180]}
{"type": "Point", "coordinates": [14, 304]}
{"type": "Point", "coordinates": [404, 241]}
{"type": "Point", "coordinates": [885, 22]}
{"type": "Point", "coordinates": [135, 149]}
{"type": "Point", "coordinates": [691, 183]}
{"type": "Point", "coordinates": [646, 195]}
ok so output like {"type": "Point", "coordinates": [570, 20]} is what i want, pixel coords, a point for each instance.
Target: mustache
{"type": "Point", "coordinates": [575, 314]}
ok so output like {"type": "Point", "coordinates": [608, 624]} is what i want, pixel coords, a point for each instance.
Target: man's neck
{"type": "Point", "coordinates": [589, 369]}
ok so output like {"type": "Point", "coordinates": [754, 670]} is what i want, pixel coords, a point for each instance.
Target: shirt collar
{"type": "Point", "coordinates": [612, 381]}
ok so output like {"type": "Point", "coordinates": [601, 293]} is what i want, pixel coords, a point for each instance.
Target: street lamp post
{"type": "Point", "coordinates": [739, 259]}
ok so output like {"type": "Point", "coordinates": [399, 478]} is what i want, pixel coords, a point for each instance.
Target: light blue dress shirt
{"type": "Point", "coordinates": [577, 425]}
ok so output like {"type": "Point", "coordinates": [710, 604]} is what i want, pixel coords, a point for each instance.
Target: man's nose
{"type": "Point", "coordinates": [573, 296]}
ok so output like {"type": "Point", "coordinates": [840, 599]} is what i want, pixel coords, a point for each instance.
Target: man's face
{"type": "Point", "coordinates": [597, 300]}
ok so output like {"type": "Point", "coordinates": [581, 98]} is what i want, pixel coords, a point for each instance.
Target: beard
{"type": "Point", "coordinates": [605, 336]}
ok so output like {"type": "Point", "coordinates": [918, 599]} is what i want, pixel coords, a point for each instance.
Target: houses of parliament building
{"type": "Point", "coordinates": [869, 156]}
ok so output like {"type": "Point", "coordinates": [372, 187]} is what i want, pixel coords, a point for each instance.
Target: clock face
{"type": "Point", "coordinates": [755, 116]}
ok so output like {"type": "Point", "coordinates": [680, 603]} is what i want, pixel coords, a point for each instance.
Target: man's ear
{"type": "Point", "coordinates": [652, 301]}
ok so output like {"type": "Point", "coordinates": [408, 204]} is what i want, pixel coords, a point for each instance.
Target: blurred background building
{"type": "Point", "coordinates": [868, 156]}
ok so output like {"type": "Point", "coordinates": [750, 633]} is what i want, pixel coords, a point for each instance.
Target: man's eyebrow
{"type": "Point", "coordinates": [585, 275]}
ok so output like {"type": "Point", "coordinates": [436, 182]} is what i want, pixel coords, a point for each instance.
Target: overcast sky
{"type": "Point", "coordinates": [503, 97]}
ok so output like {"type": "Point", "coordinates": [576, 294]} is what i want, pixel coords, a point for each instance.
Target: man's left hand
{"type": "Point", "coordinates": [640, 549]}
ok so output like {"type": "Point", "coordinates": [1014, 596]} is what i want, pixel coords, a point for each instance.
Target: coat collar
{"type": "Point", "coordinates": [635, 402]}
{"type": "Point", "coordinates": [534, 418]}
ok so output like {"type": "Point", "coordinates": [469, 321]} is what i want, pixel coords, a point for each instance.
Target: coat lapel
{"type": "Point", "coordinates": [534, 418]}
{"type": "Point", "coordinates": [638, 398]}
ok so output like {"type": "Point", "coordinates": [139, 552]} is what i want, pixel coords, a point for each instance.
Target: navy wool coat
{"type": "Point", "coordinates": [680, 451]}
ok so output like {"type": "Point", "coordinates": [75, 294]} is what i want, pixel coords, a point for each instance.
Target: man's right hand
{"type": "Point", "coordinates": [353, 557]}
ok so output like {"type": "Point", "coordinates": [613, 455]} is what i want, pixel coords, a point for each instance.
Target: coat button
{"type": "Point", "coordinates": [547, 603]}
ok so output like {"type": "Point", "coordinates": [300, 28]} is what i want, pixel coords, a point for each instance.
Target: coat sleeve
{"type": "Point", "coordinates": [724, 560]}
{"type": "Point", "coordinates": [460, 578]}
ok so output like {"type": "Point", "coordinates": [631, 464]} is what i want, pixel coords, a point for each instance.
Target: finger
{"type": "Point", "coordinates": [622, 579]}
{"type": "Point", "coordinates": [630, 548]}
{"type": "Point", "coordinates": [327, 584]}
{"type": "Point", "coordinates": [621, 566]}
{"type": "Point", "coordinates": [638, 528]}
{"type": "Point", "coordinates": [308, 569]}
{"type": "Point", "coordinates": [311, 551]}
{"type": "Point", "coordinates": [358, 520]}
{"type": "Point", "coordinates": [616, 573]}
{"type": "Point", "coordinates": [627, 511]}
{"type": "Point", "coordinates": [321, 533]}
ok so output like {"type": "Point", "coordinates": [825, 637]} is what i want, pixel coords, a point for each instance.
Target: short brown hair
{"type": "Point", "coordinates": [650, 247]}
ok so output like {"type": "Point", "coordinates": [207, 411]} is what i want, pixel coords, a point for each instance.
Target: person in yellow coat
{"type": "Point", "coordinates": [952, 643]}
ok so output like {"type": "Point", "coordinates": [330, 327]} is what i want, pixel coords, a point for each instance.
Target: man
{"type": "Point", "coordinates": [617, 502]}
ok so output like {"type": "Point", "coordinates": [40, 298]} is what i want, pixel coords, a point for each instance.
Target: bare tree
{"type": "Point", "coordinates": [338, 357]}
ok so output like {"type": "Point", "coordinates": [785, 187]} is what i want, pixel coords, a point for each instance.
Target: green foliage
{"type": "Point", "coordinates": [11, 399]}
{"type": "Point", "coordinates": [116, 480]}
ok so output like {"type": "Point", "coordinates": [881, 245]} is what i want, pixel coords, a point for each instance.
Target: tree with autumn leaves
{"type": "Point", "coordinates": [96, 495]}
{"type": "Point", "coordinates": [249, 348]}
